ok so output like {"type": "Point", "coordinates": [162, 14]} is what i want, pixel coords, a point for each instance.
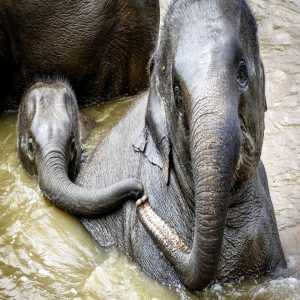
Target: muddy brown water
{"type": "Point", "coordinates": [46, 254]}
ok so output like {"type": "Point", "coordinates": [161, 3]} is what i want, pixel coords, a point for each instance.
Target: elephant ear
{"type": "Point", "coordinates": [262, 80]}
{"type": "Point", "coordinates": [154, 142]}
{"type": "Point", "coordinates": [166, 149]}
{"type": "Point", "coordinates": [145, 144]}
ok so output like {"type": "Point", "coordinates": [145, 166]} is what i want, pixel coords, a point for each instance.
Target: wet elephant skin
{"type": "Point", "coordinates": [101, 47]}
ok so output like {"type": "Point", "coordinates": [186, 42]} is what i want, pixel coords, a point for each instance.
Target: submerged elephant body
{"type": "Point", "coordinates": [195, 146]}
{"type": "Point", "coordinates": [102, 47]}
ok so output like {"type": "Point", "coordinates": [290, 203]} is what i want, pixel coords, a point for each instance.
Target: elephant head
{"type": "Point", "coordinates": [48, 120]}
{"type": "Point", "coordinates": [49, 147]}
{"type": "Point", "coordinates": [206, 115]}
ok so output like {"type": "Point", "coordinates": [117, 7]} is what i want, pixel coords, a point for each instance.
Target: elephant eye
{"type": "Point", "coordinates": [30, 148]}
{"type": "Point", "coordinates": [72, 148]}
{"type": "Point", "coordinates": [242, 76]}
{"type": "Point", "coordinates": [151, 67]}
{"type": "Point", "coordinates": [178, 96]}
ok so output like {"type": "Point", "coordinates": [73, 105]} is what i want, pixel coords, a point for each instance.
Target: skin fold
{"type": "Point", "coordinates": [49, 147]}
{"type": "Point", "coordinates": [101, 47]}
{"type": "Point", "coordinates": [194, 143]}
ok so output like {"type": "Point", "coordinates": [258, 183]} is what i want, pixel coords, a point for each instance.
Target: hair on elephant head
{"type": "Point", "coordinates": [49, 147]}
{"type": "Point", "coordinates": [206, 115]}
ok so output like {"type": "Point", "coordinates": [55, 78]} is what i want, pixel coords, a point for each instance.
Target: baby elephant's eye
{"type": "Point", "coordinates": [30, 148]}
{"type": "Point", "coordinates": [242, 75]}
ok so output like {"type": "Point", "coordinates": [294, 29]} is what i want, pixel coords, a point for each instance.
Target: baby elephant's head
{"type": "Point", "coordinates": [48, 128]}
{"type": "Point", "coordinates": [49, 147]}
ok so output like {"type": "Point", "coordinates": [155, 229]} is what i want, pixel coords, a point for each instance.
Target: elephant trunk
{"type": "Point", "coordinates": [214, 146]}
{"type": "Point", "coordinates": [214, 151]}
{"type": "Point", "coordinates": [84, 201]}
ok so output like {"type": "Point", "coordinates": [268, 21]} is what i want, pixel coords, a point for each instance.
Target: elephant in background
{"type": "Point", "coordinates": [195, 146]}
{"type": "Point", "coordinates": [101, 47]}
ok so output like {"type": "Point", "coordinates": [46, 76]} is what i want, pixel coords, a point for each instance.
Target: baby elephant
{"type": "Point", "coordinates": [49, 147]}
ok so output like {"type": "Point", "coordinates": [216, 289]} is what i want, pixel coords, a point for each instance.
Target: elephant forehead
{"type": "Point", "coordinates": [203, 58]}
{"type": "Point", "coordinates": [49, 129]}
{"type": "Point", "coordinates": [208, 12]}
{"type": "Point", "coordinates": [51, 104]}
{"type": "Point", "coordinates": [51, 118]}
{"type": "Point", "coordinates": [207, 34]}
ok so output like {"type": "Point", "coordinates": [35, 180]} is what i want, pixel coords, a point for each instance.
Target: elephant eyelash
{"type": "Point", "coordinates": [30, 147]}
{"type": "Point", "coordinates": [72, 147]}
{"type": "Point", "coordinates": [178, 97]}
{"type": "Point", "coordinates": [242, 75]}
{"type": "Point", "coordinates": [180, 107]}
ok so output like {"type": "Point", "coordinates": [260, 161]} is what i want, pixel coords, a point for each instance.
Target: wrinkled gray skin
{"type": "Point", "coordinates": [102, 47]}
{"type": "Point", "coordinates": [49, 147]}
{"type": "Point", "coordinates": [197, 145]}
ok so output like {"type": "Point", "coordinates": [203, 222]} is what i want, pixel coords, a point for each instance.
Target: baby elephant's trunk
{"type": "Point", "coordinates": [84, 201]}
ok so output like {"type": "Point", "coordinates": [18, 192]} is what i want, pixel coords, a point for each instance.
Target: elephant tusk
{"type": "Point", "coordinates": [154, 225]}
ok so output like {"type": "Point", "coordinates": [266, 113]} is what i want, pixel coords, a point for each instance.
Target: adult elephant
{"type": "Point", "coordinates": [102, 47]}
{"type": "Point", "coordinates": [195, 145]}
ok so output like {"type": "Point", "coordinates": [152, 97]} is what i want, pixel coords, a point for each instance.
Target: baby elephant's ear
{"type": "Point", "coordinates": [262, 93]}
{"type": "Point", "coordinates": [24, 140]}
